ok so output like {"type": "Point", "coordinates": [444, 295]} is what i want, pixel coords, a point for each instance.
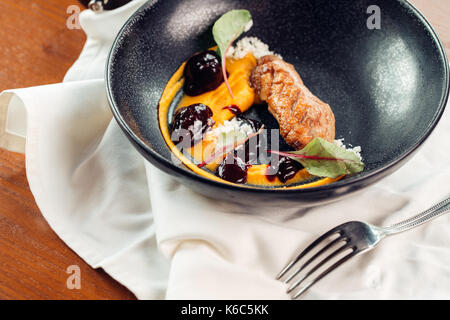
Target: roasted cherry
{"type": "Point", "coordinates": [287, 169]}
{"type": "Point", "coordinates": [202, 73]}
{"type": "Point", "coordinates": [191, 122]}
{"type": "Point", "coordinates": [233, 169]}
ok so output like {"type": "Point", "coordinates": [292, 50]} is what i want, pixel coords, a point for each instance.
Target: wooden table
{"type": "Point", "coordinates": [37, 48]}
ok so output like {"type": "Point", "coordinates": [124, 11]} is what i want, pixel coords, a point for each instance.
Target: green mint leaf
{"type": "Point", "coordinates": [324, 159]}
{"type": "Point", "coordinates": [227, 29]}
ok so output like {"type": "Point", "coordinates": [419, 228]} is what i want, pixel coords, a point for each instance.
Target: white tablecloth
{"type": "Point", "coordinates": [161, 240]}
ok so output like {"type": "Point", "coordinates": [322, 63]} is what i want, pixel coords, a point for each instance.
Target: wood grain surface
{"type": "Point", "coordinates": [37, 48]}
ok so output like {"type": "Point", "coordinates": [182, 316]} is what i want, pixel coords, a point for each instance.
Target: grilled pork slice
{"type": "Point", "coordinates": [301, 115]}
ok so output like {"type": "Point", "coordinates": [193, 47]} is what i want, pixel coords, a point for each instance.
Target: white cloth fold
{"type": "Point", "coordinates": [120, 213]}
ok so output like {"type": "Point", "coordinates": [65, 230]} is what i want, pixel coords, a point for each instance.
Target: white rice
{"type": "Point", "coordinates": [233, 125]}
{"type": "Point", "coordinates": [230, 132]}
{"type": "Point", "coordinates": [356, 150]}
{"type": "Point", "coordinates": [250, 45]}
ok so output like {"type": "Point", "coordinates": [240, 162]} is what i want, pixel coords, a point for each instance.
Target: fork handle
{"type": "Point", "coordinates": [437, 210]}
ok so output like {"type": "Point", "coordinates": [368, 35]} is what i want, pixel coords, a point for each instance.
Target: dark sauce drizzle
{"type": "Point", "coordinates": [234, 109]}
{"type": "Point", "coordinates": [287, 169]}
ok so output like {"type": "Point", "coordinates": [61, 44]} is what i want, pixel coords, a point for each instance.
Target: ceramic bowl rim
{"type": "Point", "coordinates": [336, 185]}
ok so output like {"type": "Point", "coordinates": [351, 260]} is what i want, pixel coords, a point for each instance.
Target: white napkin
{"type": "Point", "coordinates": [110, 206]}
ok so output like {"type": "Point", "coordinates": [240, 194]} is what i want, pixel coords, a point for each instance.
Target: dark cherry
{"type": "Point", "coordinates": [192, 121]}
{"type": "Point", "coordinates": [233, 169]}
{"type": "Point", "coordinates": [251, 151]}
{"type": "Point", "coordinates": [233, 109]}
{"type": "Point", "coordinates": [203, 73]}
{"type": "Point", "coordinates": [287, 169]}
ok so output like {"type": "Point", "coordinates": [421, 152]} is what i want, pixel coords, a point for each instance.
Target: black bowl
{"type": "Point", "coordinates": [387, 87]}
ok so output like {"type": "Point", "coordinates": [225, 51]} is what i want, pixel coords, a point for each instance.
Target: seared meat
{"type": "Point", "coordinates": [301, 115]}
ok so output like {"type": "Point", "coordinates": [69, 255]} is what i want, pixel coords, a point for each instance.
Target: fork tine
{"type": "Point", "coordinates": [323, 274]}
{"type": "Point", "coordinates": [328, 246]}
{"type": "Point", "coordinates": [308, 249]}
{"type": "Point", "coordinates": [317, 266]}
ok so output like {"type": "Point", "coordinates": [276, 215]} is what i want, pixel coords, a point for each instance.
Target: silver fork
{"type": "Point", "coordinates": [344, 242]}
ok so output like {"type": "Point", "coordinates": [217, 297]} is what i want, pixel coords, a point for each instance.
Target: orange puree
{"type": "Point", "coordinates": [244, 97]}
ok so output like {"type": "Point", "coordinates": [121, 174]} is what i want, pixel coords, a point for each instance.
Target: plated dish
{"type": "Point", "coordinates": [211, 134]}
{"type": "Point", "coordinates": [382, 96]}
